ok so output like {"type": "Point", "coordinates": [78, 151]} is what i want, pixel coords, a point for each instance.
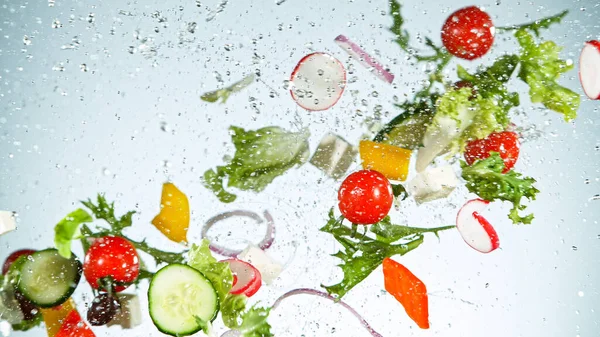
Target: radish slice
{"type": "Point", "coordinates": [365, 59]}
{"type": "Point", "coordinates": [246, 279]}
{"type": "Point", "coordinates": [318, 81]}
{"type": "Point", "coordinates": [475, 229]}
{"type": "Point", "coordinates": [589, 69]}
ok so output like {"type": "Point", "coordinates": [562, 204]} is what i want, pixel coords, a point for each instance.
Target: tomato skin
{"type": "Point", "coordinates": [114, 257]}
{"type": "Point", "coordinates": [13, 257]}
{"type": "Point", "coordinates": [468, 33]}
{"type": "Point", "coordinates": [74, 326]}
{"type": "Point", "coordinates": [365, 197]}
{"type": "Point", "coordinates": [506, 143]}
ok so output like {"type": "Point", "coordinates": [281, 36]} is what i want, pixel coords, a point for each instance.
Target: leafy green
{"type": "Point", "coordinates": [223, 94]}
{"type": "Point", "coordinates": [106, 211]}
{"type": "Point", "coordinates": [232, 309]}
{"type": "Point", "coordinates": [399, 191]}
{"type": "Point", "coordinates": [218, 273]}
{"type": "Point", "coordinates": [540, 69]}
{"type": "Point", "coordinates": [485, 179]}
{"type": "Point", "coordinates": [260, 157]}
{"type": "Point", "coordinates": [361, 255]}
{"type": "Point", "coordinates": [254, 323]}
{"type": "Point", "coordinates": [537, 25]}
{"type": "Point", "coordinates": [68, 229]}
{"type": "Point", "coordinates": [26, 325]}
{"type": "Point", "coordinates": [10, 310]}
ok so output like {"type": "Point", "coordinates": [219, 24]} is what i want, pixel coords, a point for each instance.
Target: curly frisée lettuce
{"type": "Point", "coordinates": [260, 157]}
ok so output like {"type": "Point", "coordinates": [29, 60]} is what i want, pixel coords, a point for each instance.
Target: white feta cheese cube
{"type": "Point", "coordinates": [130, 314]}
{"type": "Point", "coordinates": [7, 222]}
{"type": "Point", "coordinates": [333, 156]}
{"type": "Point", "coordinates": [269, 269]}
{"type": "Point", "coordinates": [435, 183]}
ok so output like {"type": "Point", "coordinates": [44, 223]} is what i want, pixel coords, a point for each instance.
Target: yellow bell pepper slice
{"type": "Point", "coordinates": [174, 217]}
{"type": "Point", "coordinates": [53, 317]}
{"type": "Point", "coordinates": [391, 161]}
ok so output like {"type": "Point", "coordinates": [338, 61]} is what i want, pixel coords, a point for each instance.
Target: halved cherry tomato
{"type": "Point", "coordinates": [74, 326]}
{"type": "Point", "coordinates": [408, 290]}
{"type": "Point", "coordinates": [365, 197]}
{"type": "Point", "coordinates": [468, 33]}
{"type": "Point", "coordinates": [506, 143]}
{"type": "Point", "coordinates": [13, 257]}
{"type": "Point", "coordinates": [111, 259]}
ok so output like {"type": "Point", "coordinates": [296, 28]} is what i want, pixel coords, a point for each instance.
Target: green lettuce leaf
{"type": "Point", "coordinates": [218, 273]}
{"type": "Point", "coordinates": [232, 309]}
{"type": "Point", "coordinates": [541, 67]}
{"type": "Point", "coordinates": [485, 179]}
{"type": "Point", "coordinates": [361, 254]}
{"type": "Point", "coordinates": [223, 94]}
{"type": "Point", "coordinates": [36, 321]}
{"type": "Point", "coordinates": [260, 157]}
{"type": "Point", "coordinates": [67, 230]}
{"type": "Point", "coordinates": [254, 323]}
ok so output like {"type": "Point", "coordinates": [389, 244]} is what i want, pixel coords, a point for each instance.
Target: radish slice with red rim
{"type": "Point", "coordinates": [475, 229]}
{"type": "Point", "coordinates": [318, 81]}
{"type": "Point", "coordinates": [246, 279]}
{"type": "Point", "coordinates": [589, 69]}
{"type": "Point", "coordinates": [365, 59]}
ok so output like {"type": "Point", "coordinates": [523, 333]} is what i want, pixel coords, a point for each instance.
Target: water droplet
{"type": "Point", "coordinates": [83, 67]}
{"type": "Point", "coordinates": [320, 72]}
{"type": "Point", "coordinates": [50, 3]}
{"type": "Point", "coordinates": [106, 171]}
{"type": "Point", "coordinates": [164, 127]}
{"type": "Point", "coordinates": [191, 27]}
{"type": "Point", "coordinates": [587, 181]}
{"type": "Point", "coordinates": [56, 24]}
{"type": "Point", "coordinates": [595, 197]}
{"type": "Point", "coordinates": [580, 293]}
{"type": "Point", "coordinates": [574, 248]}
{"type": "Point", "coordinates": [375, 94]}
{"type": "Point", "coordinates": [11, 156]}
{"type": "Point", "coordinates": [26, 40]}
{"type": "Point", "coordinates": [91, 18]}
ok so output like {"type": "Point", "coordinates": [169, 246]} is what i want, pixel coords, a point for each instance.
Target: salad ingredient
{"type": "Point", "coordinates": [130, 314]}
{"type": "Point", "coordinates": [13, 257]}
{"type": "Point", "coordinates": [505, 143]}
{"type": "Point", "coordinates": [111, 264]}
{"type": "Point", "coordinates": [333, 156]}
{"type": "Point", "coordinates": [364, 58]}
{"type": "Point", "coordinates": [252, 322]}
{"type": "Point", "coordinates": [67, 230]}
{"type": "Point", "coordinates": [468, 33]}
{"type": "Point", "coordinates": [407, 129]}
{"type": "Point", "coordinates": [537, 25]}
{"type": "Point", "coordinates": [589, 69]}
{"type": "Point", "coordinates": [223, 94]}
{"type": "Point", "coordinates": [103, 309]}
{"type": "Point", "coordinates": [475, 229]}
{"type": "Point", "coordinates": [389, 160]}
{"type": "Point", "coordinates": [269, 268]}
{"type": "Point", "coordinates": [47, 279]}
{"type": "Point", "coordinates": [318, 81]}
{"type": "Point", "coordinates": [409, 290]}
{"type": "Point", "coordinates": [365, 197]}
{"type": "Point", "coordinates": [74, 326]}
{"type": "Point", "coordinates": [260, 157]}
{"type": "Point", "coordinates": [432, 184]}
{"type": "Point", "coordinates": [174, 217]}
{"type": "Point", "coordinates": [27, 307]}
{"type": "Point", "coordinates": [304, 291]}
{"type": "Point", "coordinates": [361, 254]}
{"type": "Point", "coordinates": [7, 222]}
{"type": "Point", "coordinates": [541, 67]}
{"type": "Point", "coordinates": [246, 279]}
{"type": "Point", "coordinates": [485, 178]}
{"type": "Point", "coordinates": [181, 300]}
{"type": "Point", "coordinates": [265, 243]}
{"type": "Point", "coordinates": [55, 316]}
{"type": "Point", "coordinates": [10, 310]}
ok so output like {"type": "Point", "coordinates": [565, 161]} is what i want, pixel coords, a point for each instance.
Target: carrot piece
{"type": "Point", "coordinates": [409, 290]}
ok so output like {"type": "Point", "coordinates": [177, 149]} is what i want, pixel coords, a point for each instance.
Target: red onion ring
{"type": "Point", "coordinates": [365, 59]}
{"type": "Point", "coordinates": [314, 292]}
{"type": "Point", "coordinates": [264, 244]}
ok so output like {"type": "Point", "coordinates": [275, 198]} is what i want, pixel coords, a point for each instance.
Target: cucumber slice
{"type": "Point", "coordinates": [48, 279]}
{"type": "Point", "coordinates": [180, 299]}
{"type": "Point", "coordinates": [408, 133]}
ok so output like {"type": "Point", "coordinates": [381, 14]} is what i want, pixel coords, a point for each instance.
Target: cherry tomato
{"type": "Point", "coordinates": [74, 326]}
{"type": "Point", "coordinates": [365, 197]}
{"type": "Point", "coordinates": [13, 257]}
{"type": "Point", "coordinates": [111, 257]}
{"type": "Point", "coordinates": [506, 143]}
{"type": "Point", "coordinates": [468, 33]}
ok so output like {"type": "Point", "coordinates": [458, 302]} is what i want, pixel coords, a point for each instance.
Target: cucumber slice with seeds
{"type": "Point", "coordinates": [48, 279]}
{"type": "Point", "coordinates": [180, 299]}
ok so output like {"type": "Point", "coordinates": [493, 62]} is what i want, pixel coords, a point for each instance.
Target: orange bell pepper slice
{"type": "Point", "coordinates": [54, 317]}
{"type": "Point", "coordinates": [174, 217]}
{"type": "Point", "coordinates": [391, 161]}
{"type": "Point", "coordinates": [409, 290]}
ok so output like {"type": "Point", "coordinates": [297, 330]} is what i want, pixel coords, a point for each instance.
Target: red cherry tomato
{"type": "Point", "coordinates": [365, 197]}
{"type": "Point", "coordinates": [111, 257]}
{"type": "Point", "coordinates": [74, 326]}
{"type": "Point", "coordinates": [506, 143]}
{"type": "Point", "coordinates": [468, 33]}
{"type": "Point", "coordinates": [13, 257]}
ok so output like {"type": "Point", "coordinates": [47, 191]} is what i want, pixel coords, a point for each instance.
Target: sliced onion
{"type": "Point", "coordinates": [314, 292]}
{"type": "Point", "coordinates": [365, 59]}
{"type": "Point", "coordinates": [264, 244]}
{"type": "Point", "coordinates": [231, 333]}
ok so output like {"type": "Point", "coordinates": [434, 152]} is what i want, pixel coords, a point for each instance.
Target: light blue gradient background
{"type": "Point", "coordinates": [67, 135]}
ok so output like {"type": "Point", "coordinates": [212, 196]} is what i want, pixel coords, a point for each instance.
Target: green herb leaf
{"type": "Point", "coordinates": [106, 211]}
{"type": "Point", "coordinates": [223, 94]}
{"type": "Point", "coordinates": [362, 254]}
{"type": "Point", "coordinates": [537, 25]}
{"type": "Point", "coordinates": [67, 230]}
{"type": "Point", "coordinates": [402, 36]}
{"type": "Point", "coordinates": [485, 179]}
{"type": "Point", "coordinates": [399, 191]}
{"type": "Point", "coordinates": [254, 323]}
{"type": "Point", "coordinates": [218, 273]}
{"type": "Point", "coordinates": [260, 157]}
{"type": "Point", "coordinates": [26, 325]}
{"type": "Point", "coordinates": [541, 67]}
